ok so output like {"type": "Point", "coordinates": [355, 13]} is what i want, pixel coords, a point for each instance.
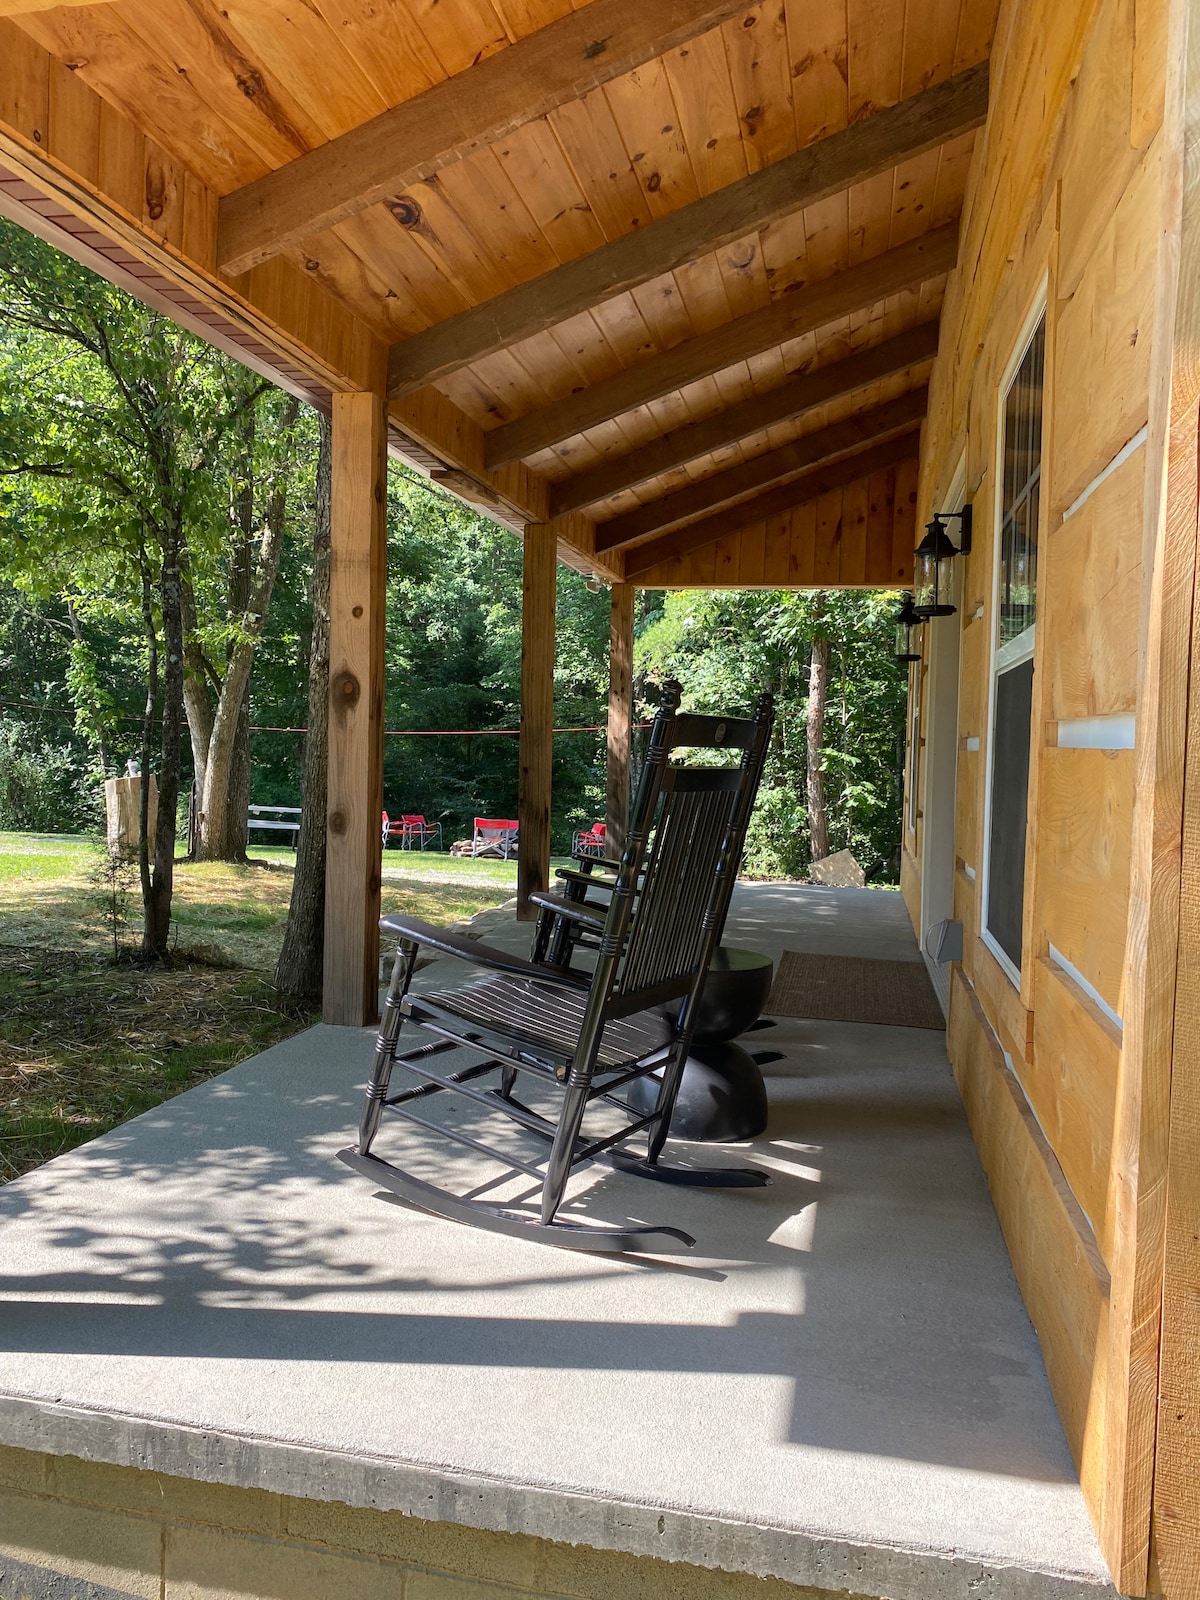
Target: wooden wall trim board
{"type": "Point", "coordinates": [790, 400]}
{"type": "Point", "coordinates": [806, 489]}
{"type": "Point", "coordinates": [824, 301]}
{"type": "Point", "coordinates": [814, 173]}
{"type": "Point", "coordinates": [1176, 1508]}
{"type": "Point", "coordinates": [357, 592]}
{"type": "Point", "coordinates": [417, 138]}
{"type": "Point", "coordinates": [1161, 993]}
{"type": "Point", "coordinates": [847, 438]}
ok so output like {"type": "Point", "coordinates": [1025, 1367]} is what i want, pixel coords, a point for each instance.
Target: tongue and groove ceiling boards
{"type": "Point", "coordinates": [679, 262]}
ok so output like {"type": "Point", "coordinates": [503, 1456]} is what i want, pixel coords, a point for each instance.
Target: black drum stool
{"type": "Point", "coordinates": [722, 1098]}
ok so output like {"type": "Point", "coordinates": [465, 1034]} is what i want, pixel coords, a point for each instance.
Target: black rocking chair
{"type": "Point", "coordinates": [580, 1038]}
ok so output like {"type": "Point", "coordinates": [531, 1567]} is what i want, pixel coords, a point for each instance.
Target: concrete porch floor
{"type": "Point", "coordinates": [839, 1387]}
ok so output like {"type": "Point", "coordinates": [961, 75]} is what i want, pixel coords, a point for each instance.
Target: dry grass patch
{"type": "Point", "coordinates": [86, 1044]}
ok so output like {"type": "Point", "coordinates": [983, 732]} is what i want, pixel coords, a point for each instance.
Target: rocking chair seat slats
{"type": "Point", "coordinates": [577, 1037]}
{"type": "Point", "coordinates": [545, 1017]}
{"type": "Point", "coordinates": [475, 951]}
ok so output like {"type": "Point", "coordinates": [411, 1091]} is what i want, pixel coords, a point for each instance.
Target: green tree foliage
{"type": "Point", "coordinates": [148, 489]}
{"type": "Point", "coordinates": [136, 492]}
{"type": "Point", "coordinates": [725, 646]}
{"type": "Point", "coordinates": [453, 662]}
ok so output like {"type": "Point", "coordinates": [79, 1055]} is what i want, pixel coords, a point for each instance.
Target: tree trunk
{"type": "Point", "coordinates": [143, 847]}
{"type": "Point", "coordinates": [302, 959]}
{"type": "Point", "coordinates": [226, 790]}
{"type": "Point", "coordinates": [157, 930]}
{"type": "Point", "coordinates": [818, 689]}
{"type": "Point", "coordinates": [236, 831]}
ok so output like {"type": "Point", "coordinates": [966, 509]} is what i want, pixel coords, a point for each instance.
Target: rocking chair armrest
{"type": "Point", "coordinates": [606, 863]}
{"type": "Point", "coordinates": [585, 880]}
{"type": "Point", "coordinates": [475, 951]}
{"type": "Point", "coordinates": [573, 910]}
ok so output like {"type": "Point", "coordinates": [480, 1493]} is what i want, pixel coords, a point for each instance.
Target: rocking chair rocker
{"type": "Point", "coordinates": [580, 1038]}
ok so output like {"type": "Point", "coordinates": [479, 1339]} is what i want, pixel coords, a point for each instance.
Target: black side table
{"type": "Point", "coordinates": [722, 1097]}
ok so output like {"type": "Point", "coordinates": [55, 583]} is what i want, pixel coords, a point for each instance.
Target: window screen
{"type": "Point", "coordinates": [1022, 486]}
{"type": "Point", "coordinates": [1012, 662]}
{"type": "Point", "coordinates": [1010, 795]}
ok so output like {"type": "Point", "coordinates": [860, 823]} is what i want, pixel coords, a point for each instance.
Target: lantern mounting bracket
{"type": "Point", "coordinates": [964, 527]}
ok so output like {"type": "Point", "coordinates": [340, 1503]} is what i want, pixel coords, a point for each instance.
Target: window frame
{"type": "Point", "coordinates": [1003, 657]}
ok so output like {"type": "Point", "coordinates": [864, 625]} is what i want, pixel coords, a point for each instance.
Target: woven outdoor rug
{"type": "Point", "coordinates": [852, 989]}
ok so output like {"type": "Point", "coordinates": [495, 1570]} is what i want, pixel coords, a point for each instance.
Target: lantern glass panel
{"type": "Point", "coordinates": [925, 581]}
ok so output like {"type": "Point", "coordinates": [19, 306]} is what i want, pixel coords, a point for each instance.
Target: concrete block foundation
{"type": "Point", "coordinates": [81, 1530]}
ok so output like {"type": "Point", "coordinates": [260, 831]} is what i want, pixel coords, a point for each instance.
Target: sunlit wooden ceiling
{"type": "Point", "coordinates": [644, 396]}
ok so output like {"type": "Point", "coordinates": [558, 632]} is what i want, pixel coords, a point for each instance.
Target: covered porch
{"type": "Point", "coordinates": [689, 293]}
{"type": "Point", "coordinates": [840, 1389]}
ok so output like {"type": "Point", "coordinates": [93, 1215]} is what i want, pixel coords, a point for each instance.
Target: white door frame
{"type": "Point", "coordinates": [938, 803]}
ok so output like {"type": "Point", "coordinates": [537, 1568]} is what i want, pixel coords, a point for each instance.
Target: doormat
{"type": "Point", "coordinates": [897, 994]}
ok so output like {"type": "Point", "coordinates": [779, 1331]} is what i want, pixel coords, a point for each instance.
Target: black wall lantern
{"type": "Point", "coordinates": [907, 623]}
{"type": "Point", "coordinates": [933, 574]}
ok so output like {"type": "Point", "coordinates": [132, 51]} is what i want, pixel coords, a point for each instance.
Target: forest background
{"type": "Point", "coordinates": [148, 483]}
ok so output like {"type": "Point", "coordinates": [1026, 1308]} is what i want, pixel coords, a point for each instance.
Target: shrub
{"type": "Point", "coordinates": [45, 788]}
{"type": "Point", "coordinates": [777, 839]}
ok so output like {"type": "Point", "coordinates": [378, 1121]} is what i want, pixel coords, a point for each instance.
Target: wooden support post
{"type": "Point", "coordinates": [537, 714]}
{"type": "Point", "coordinates": [620, 714]}
{"type": "Point", "coordinates": [358, 570]}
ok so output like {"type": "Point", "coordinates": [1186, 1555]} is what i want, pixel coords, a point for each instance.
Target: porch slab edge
{"type": "Point", "coordinates": [500, 1506]}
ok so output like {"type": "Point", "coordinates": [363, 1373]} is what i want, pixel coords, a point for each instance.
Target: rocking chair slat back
{"type": "Point", "coordinates": [668, 930]}
{"type": "Point", "coordinates": [682, 852]}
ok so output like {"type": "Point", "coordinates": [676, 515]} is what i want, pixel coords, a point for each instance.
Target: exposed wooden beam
{"type": "Point", "coordinates": [824, 168]}
{"type": "Point", "coordinates": [752, 416]}
{"type": "Point", "coordinates": [682, 541]}
{"type": "Point", "coordinates": [812, 450]}
{"type": "Point", "coordinates": [787, 318]}
{"type": "Point", "coordinates": [810, 175]}
{"type": "Point", "coordinates": [417, 138]}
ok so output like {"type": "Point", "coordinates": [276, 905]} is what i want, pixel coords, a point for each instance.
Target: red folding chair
{"type": "Point", "coordinates": [417, 833]}
{"type": "Point", "coordinates": [494, 836]}
{"type": "Point", "coordinates": [591, 841]}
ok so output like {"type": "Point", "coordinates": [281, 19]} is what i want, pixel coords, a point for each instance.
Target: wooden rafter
{"type": "Point", "coordinates": [414, 140]}
{"type": "Point", "coordinates": [812, 450]}
{"type": "Point", "coordinates": [790, 400]}
{"type": "Point", "coordinates": [682, 541]}
{"type": "Point", "coordinates": [787, 318]}
{"type": "Point", "coordinates": [824, 168]}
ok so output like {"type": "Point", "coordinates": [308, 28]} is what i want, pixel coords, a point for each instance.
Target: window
{"type": "Point", "coordinates": [1012, 654]}
{"type": "Point", "coordinates": [914, 742]}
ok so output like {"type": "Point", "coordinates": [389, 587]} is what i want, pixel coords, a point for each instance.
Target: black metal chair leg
{"type": "Point", "coordinates": [668, 1089]}
{"type": "Point", "coordinates": [385, 1044]}
{"type": "Point", "coordinates": [541, 936]}
{"type": "Point", "coordinates": [558, 1167]}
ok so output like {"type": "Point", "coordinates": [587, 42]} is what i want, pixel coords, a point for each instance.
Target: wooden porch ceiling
{"type": "Point", "coordinates": [651, 271]}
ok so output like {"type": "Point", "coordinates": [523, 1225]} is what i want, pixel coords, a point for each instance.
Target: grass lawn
{"type": "Point", "coordinates": [85, 1044]}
